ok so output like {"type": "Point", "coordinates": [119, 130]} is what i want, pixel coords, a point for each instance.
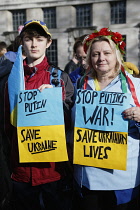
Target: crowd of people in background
{"type": "Point", "coordinates": [3, 48]}
{"type": "Point", "coordinates": [97, 65]}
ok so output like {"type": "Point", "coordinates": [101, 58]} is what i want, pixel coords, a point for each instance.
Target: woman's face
{"type": "Point", "coordinates": [103, 58]}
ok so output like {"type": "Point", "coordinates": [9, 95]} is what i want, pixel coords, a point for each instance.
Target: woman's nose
{"type": "Point", "coordinates": [101, 56]}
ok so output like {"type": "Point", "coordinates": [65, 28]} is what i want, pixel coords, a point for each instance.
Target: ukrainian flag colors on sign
{"type": "Point", "coordinates": [100, 140]}
{"type": "Point", "coordinates": [41, 133]}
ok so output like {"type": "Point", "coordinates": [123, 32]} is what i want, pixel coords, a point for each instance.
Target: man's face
{"type": "Point", "coordinates": [3, 51]}
{"type": "Point", "coordinates": [35, 48]}
{"type": "Point", "coordinates": [81, 56]}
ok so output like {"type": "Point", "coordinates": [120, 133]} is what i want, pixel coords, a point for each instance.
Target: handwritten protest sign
{"type": "Point", "coordinates": [42, 144]}
{"type": "Point", "coordinates": [101, 110]}
{"type": "Point", "coordinates": [41, 134]}
{"type": "Point", "coordinates": [100, 137]}
{"type": "Point", "coordinates": [100, 149]}
{"type": "Point", "coordinates": [40, 108]}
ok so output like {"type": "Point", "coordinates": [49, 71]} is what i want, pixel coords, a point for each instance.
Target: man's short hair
{"type": "Point", "coordinates": [3, 45]}
{"type": "Point", "coordinates": [35, 28]}
{"type": "Point", "coordinates": [78, 42]}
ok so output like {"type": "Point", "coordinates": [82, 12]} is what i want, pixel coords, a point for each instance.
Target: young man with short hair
{"type": "Point", "coordinates": [39, 184]}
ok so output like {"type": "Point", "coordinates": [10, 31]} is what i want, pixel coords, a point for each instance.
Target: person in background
{"type": "Point", "coordinates": [103, 188]}
{"type": "Point", "coordinates": [13, 48]}
{"type": "Point", "coordinates": [81, 70]}
{"type": "Point", "coordinates": [83, 67]}
{"type": "Point", "coordinates": [5, 146]}
{"type": "Point", "coordinates": [3, 48]}
{"type": "Point", "coordinates": [77, 54]}
{"type": "Point", "coordinates": [38, 185]}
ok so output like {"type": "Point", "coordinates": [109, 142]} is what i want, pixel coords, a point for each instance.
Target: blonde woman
{"type": "Point", "coordinates": [102, 188]}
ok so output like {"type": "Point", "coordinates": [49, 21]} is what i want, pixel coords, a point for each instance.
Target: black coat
{"type": "Point", "coordinates": [5, 180]}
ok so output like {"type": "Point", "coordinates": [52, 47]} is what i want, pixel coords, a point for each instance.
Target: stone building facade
{"type": "Point", "coordinates": [68, 27]}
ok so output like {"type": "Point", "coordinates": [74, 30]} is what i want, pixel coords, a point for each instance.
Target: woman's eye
{"type": "Point", "coordinates": [107, 53]}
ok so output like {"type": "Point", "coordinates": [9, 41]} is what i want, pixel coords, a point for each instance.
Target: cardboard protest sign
{"type": "Point", "coordinates": [42, 144]}
{"type": "Point", "coordinates": [100, 148]}
{"type": "Point", "coordinates": [101, 110]}
{"type": "Point", "coordinates": [40, 108]}
{"type": "Point", "coordinates": [41, 133]}
{"type": "Point", "coordinates": [100, 136]}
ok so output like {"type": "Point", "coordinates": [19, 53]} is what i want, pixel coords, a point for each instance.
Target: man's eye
{"type": "Point", "coordinates": [27, 39]}
{"type": "Point", "coordinates": [40, 40]}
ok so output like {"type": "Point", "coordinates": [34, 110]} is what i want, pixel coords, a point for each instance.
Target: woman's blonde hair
{"type": "Point", "coordinates": [113, 47]}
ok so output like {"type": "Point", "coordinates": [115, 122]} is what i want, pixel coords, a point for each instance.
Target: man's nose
{"type": "Point", "coordinates": [33, 42]}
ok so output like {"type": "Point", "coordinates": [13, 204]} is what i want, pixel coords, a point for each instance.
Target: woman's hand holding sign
{"type": "Point", "coordinates": [132, 113]}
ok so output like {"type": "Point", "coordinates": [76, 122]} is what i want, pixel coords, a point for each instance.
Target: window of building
{"type": "Point", "coordinates": [50, 17]}
{"type": "Point", "coordinates": [83, 15]}
{"type": "Point", "coordinates": [52, 52]}
{"type": "Point", "coordinates": [19, 18]}
{"type": "Point", "coordinates": [118, 12]}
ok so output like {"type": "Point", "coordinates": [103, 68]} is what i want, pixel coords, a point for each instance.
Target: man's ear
{"type": "Point", "coordinates": [48, 43]}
